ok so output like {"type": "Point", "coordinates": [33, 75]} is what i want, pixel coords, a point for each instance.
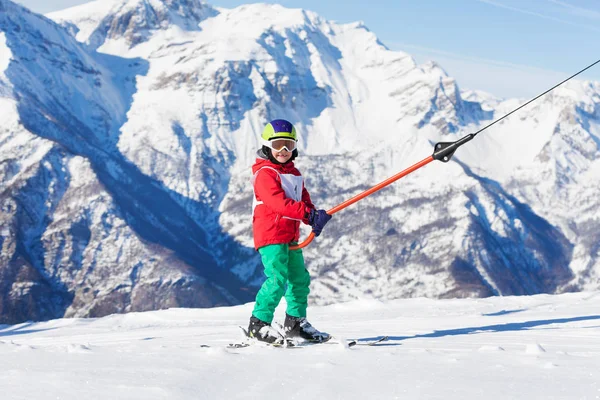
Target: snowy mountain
{"type": "Point", "coordinates": [134, 22]}
{"type": "Point", "coordinates": [527, 347]}
{"type": "Point", "coordinates": [85, 232]}
{"type": "Point", "coordinates": [129, 129]}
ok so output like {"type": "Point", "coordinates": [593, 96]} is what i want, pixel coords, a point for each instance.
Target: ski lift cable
{"type": "Point", "coordinates": [537, 97]}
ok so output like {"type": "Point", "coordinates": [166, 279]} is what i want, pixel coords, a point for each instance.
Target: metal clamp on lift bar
{"type": "Point", "coordinates": [443, 151]}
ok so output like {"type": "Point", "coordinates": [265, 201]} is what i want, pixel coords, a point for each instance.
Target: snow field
{"type": "Point", "coordinates": [538, 347]}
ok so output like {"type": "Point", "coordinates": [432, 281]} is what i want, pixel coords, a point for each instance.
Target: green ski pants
{"type": "Point", "coordinates": [282, 266]}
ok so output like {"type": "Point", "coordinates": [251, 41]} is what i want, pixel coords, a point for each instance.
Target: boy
{"type": "Point", "coordinates": [280, 203]}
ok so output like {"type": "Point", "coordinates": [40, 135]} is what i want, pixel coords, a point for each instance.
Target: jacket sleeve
{"type": "Point", "coordinates": [308, 203]}
{"type": "Point", "coordinates": [267, 188]}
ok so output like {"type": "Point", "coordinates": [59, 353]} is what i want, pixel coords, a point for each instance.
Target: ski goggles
{"type": "Point", "coordinates": [280, 144]}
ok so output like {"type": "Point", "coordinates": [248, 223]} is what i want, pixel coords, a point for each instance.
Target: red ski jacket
{"type": "Point", "coordinates": [280, 203]}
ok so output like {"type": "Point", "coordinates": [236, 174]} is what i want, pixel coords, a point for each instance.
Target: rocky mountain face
{"type": "Point", "coordinates": [128, 129]}
{"type": "Point", "coordinates": [76, 239]}
{"type": "Point", "coordinates": [134, 22]}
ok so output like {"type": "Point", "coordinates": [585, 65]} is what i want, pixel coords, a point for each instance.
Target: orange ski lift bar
{"type": "Point", "coordinates": [443, 151]}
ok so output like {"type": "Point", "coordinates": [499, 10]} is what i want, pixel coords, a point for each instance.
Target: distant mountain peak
{"type": "Point", "coordinates": [134, 21]}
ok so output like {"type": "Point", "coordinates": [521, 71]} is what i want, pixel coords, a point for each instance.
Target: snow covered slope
{"type": "Point", "coordinates": [527, 347]}
{"type": "Point", "coordinates": [159, 103]}
{"type": "Point", "coordinates": [79, 222]}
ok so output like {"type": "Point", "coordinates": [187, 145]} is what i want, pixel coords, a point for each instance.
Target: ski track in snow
{"type": "Point", "coordinates": [536, 347]}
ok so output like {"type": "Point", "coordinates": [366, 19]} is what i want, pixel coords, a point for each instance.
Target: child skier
{"type": "Point", "coordinates": [280, 203]}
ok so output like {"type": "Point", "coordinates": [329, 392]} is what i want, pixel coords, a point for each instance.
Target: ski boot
{"type": "Point", "coordinates": [299, 327]}
{"type": "Point", "coordinates": [264, 332]}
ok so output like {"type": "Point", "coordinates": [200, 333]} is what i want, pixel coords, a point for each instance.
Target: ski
{"type": "Point", "coordinates": [352, 342]}
{"type": "Point", "coordinates": [248, 341]}
{"type": "Point", "coordinates": [356, 342]}
{"type": "Point", "coordinates": [348, 342]}
{"type": "Point", "coordinates": [304, 343]}
{"type": "Point", "coordinates": [238, 345]}
{"type": "Point", "coordinates": [290, 343]}
{"type": "Point", "coordinates": [254, 342]}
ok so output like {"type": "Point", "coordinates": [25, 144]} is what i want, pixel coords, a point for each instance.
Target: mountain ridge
{"type": "Point", "coordinates": [167, 128]}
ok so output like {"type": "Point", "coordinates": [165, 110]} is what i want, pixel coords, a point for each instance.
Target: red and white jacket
{"type": "Point", "coordinates": [280, 203]}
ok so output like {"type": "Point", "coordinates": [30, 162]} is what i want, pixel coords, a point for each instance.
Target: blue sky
{"type": "Point", "coordinates": [510, 48]}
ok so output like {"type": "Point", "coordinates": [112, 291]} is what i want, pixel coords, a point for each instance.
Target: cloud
{"type": "Point", "coordinates": [577, 11]}
{"type": "Point", "coordinates": [544, 16]}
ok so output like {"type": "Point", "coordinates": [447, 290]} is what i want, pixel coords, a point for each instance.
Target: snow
{"type": "Point", "coordinates": [5, 55]}
{"type": "Point", "coordinates": [533, 347]}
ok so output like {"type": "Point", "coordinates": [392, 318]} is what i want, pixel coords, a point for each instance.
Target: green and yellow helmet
{"type": "Point", "coordinates": [279, 128]}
